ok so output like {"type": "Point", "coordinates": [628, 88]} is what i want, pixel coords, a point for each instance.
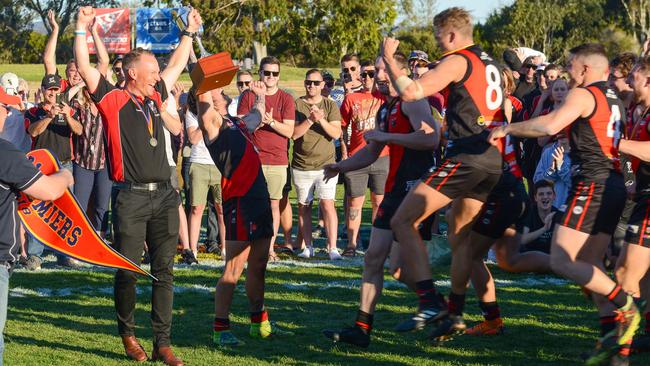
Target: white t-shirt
{"type": "Point", "coordinates": [171, 109]}
{"type": "Point", "coordinates": [232, 107]}
{"type": "Point", "coordinates": [200, 153]}
{"type": "Point", "coordinates": [14, 130]}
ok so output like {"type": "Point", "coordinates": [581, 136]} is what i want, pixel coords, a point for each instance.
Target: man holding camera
{"type": "Point", "coordinates": [51, 124]}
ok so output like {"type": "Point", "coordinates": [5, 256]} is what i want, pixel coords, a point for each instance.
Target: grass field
{"type": "Point", "coordinates": [61, 317]}
{"type": "Point", "coordinates": [291, 77]}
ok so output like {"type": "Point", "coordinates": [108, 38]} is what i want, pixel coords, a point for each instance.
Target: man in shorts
{"type": "Point", "coordinates": [592, 112]}
{"type": "Point", "coordinates": [410, 132]}
{"type": "Point", "coordinates": [472, 83]}
{"type": "Point", "coordinates": [247, 211]}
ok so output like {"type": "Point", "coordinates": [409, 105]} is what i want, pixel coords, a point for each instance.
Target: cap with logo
{"type": "Point", "coordinates": [51, 81]}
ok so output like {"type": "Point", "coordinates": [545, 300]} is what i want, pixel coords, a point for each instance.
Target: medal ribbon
{"type": "Point", "coordinates": [145, 112]}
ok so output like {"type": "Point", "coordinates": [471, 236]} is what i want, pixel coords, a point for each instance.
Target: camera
{"type": "Point", "coordinates": [59, 98]}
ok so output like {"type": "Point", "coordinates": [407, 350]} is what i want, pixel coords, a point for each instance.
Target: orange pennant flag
{"type": "Point", "coordinates": [63, 226]}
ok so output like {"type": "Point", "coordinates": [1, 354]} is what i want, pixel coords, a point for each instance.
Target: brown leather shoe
{"type": "Point", "coordinates": [166, 355]}
{"type": "Point", "coordinates": [133, 348]}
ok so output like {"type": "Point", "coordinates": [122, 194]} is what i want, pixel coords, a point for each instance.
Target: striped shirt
{"type": "Point", "coordinates": [89, 146]}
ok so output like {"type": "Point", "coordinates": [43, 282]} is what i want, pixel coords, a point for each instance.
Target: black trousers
{"type": "Point", "coordinates": [140, 216]}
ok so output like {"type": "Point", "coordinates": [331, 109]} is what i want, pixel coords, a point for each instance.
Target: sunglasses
{"type": "Point", "coordinates": [312, 82]}
{"type": "Point", "coordinates": [530, 66]}
{"type": "Point", "coordinates": [351, 69]}
{"type": "Point", "coordinates": [117, 69]}
{"type": "Point", "coordinates": [368, 74]}
{"type": "Point", "coordinates": [243, 83]}
{"type": "Point", "coordinates": [269, 73]}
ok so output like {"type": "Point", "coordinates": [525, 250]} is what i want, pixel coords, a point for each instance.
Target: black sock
{"type": "Point", "coordinates": [426, 292]}
{"type": "Point", "coordinates": [456, 303]}
{"type": "Point", "coordinates": [364, 321]}
{"type": "Point", "coordinates": [618, 297]}
{"type": "Point", "coordinates": [490, 310]}
{"type": "Point", "coordinates": [607, 324]}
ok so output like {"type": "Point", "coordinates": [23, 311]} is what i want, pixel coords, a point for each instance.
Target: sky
{"type": "Point", "coordinates": [480, 8]}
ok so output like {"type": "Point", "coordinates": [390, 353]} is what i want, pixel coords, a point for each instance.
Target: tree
{"type": "Point", "coordinates": [638, 13]}
{"type": "Point", "coordinates": [66, 10]}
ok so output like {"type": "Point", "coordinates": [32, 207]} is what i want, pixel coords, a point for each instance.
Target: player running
{"type": "Point", "coordinates": [592, 114]}
{"type": "Point", "coordinates": [409, 131]}
{"type": "Point", "coordinates": [472, 83]}
{"type": "Point", "coordinates": [636, 261]}
{"type": "Point", "coordinates": [247, 211]}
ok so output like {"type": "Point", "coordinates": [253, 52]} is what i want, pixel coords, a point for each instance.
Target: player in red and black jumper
{"type": "Point", "coordinates": [472, 85]}
{"type": "Point", "coordinates": [247, 211]}
{"type": "Point", "coordinates": [411, 134]}
{"type": "Point", "coordinates": [636, 253]}
{"type": "Point", "coordinates": [593, 113]}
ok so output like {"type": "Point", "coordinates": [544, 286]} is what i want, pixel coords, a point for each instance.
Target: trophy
{"type": "Point", "coordinates": [211, 71]}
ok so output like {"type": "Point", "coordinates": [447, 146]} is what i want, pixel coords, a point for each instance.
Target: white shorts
{"type": "Point", "coordinates": [308, 181]}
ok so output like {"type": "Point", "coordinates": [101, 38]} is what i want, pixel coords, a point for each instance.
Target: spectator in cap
{"type": "Point", "coordinates": [13, 128]}
{"type": "Point", "coordinates": [418, 63]}
{"type": "Point", "coordinates": [527, 83]}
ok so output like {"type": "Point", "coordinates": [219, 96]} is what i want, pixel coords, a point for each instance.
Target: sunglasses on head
{"type": "Point", "coordinates": [269, 73]}
{"type": "Point", "coordinates": [369, 74]}
{"type": "Point", "coordinates": [350, 69]}
{"type": "Point", "coordinates": [312, 82]}
{"type": "Point", "coordinates": [243, 83]}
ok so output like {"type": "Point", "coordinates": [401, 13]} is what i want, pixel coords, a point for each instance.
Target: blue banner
{"type": "Point", "coordinates": [156, 29]}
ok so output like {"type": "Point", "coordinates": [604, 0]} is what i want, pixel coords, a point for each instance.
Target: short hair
{"type": "Point", "coordinates": [401, 59]}
{"type": "Point", "coordinates": [543, 184]}
{"type": "Point", "coordinates": [456, 18]}
{"type": "Point", "coordinates": [132, 57]}
{"type": "Point", "coordinates": [269, 60]}
{"type": "Point", "coordinates": [243, 72]}
{"type": "Point", "coordinates": [589, 49]}
{"type": "Point", "coordinates": [552, 67]}
{"type": "Point", "coordinates": [366, 62]}
{"type": "Point", "coordinates": [313, 71]}
{"type": "Point", "coordinates": [623, 62]}
{"type": "Point", "coordinates": [644, 65]}
{"type": "Point", "coordinates": [70, 62]}
{"type": "Point", "coordinates": [349, 57]}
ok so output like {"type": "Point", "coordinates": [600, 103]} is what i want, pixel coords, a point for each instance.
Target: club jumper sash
{"type": "Point", "coordinates": [64, 227]}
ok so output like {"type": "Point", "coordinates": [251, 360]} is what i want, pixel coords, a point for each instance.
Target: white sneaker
{"type": "Point", "coordinates": [307, 252]}
{"type": "Point", "coordinates": [334, 255]}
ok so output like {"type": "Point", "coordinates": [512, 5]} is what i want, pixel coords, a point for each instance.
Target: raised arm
{"type": "Point", "coordinates": [103, 60]}
{"type": "Point", "coordinates": [179, 58]}
{"type": "Point", "coordinates": [89, 74]}
{"type": "Point", "coordinates": [49, 54]}
{"type": "Point", "coordinates": [578, 103]}
{"type": "Point", "coordinates": [450, 69]}
{"type": "Point", "coordinates": [209, 120]}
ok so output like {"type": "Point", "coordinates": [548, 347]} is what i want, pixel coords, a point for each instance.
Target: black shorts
{"type": "Point", "coordinates": [638, 226]}
{"type": "Point", "coordinates": [247, 219]}
{"type": "Point", "coordinates": [387, 209]}
{"type": "Point", "coordinates": [594, 207]}
{"type": "Point", "coordinates": [456, 179]}
{"type": "Point", "coordinates": [373, 176]}
{"type": "Point", "coordinates": [504, 206]}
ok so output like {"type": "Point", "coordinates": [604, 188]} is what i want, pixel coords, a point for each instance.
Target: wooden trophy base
{"type": "Point", "coordinates": [213, 72]}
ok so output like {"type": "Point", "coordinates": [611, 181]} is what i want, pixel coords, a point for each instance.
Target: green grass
{"type": "Point", "coordinates": [547, 325]}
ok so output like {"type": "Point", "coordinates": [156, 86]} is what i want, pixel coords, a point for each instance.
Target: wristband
{"type": "Point", "coordinates": [79, 32]}
{"type": "Point", "coordinates": [189, 34]}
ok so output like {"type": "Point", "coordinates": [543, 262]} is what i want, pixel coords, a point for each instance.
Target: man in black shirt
{"type": "Point", "coordinates": [18, 174]}
{"type": "Point", "coordinates": [536, 228]}
{"type": "Point", "coordinates": [145, 206]}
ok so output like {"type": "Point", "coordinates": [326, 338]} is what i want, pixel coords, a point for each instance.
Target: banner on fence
{"type": "Point", "coordinates": [114, 28]}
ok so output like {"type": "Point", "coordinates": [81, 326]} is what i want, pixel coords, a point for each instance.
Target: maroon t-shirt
{"type": "Point", "coordinates": [271, 145]}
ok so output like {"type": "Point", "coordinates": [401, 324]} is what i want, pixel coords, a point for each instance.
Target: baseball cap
{"type": "Point", "coordinates": [8, 99]}
{"type": "Point", "coordinates": [51, 81]}
{"type": "Point", "coordinates": [418, 55]}
{"type": "Point", "coordinates": [9, 81]}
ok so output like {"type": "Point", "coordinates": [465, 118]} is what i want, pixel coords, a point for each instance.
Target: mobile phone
{"type": "Point", "coordinates": [59, 98]}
